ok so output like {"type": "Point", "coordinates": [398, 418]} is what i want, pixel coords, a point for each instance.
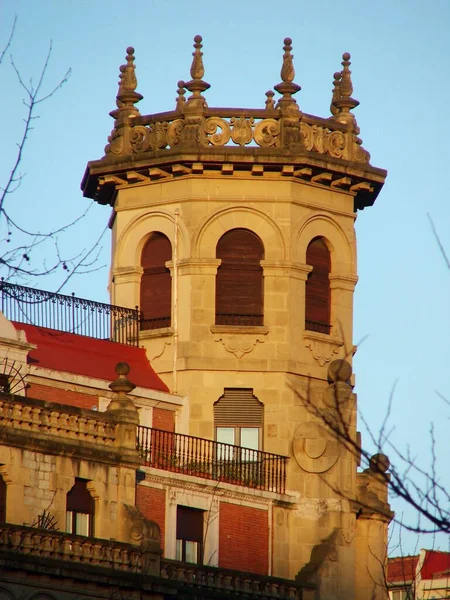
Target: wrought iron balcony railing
{"type": "Point", "coordinates": [208, 459]}
{"type": "Point", "coordinates": [69, 314]}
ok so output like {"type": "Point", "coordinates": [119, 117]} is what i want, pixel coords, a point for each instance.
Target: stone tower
{"type": "Point", "coordinates": [233, 231]}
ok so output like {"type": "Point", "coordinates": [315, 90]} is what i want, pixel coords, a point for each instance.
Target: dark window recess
{"type": "Point", "coordinates": [239, 281]}
{"type": "Point", "coordinates": [156, 283]}
{"type": "Point", "coordinates": [80, 509]}
{"type": "Point", "coordinates": [318, 295]}
{"type": "Point", "coordinates": [2, 500]}
{"type": "Point", "coordinates": [5, 385]}
{"type": "Point", "coordinates": [189, 534]}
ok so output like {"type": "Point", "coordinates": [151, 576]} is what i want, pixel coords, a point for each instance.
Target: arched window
{"type": "Point", "coordinates": [318, 296]}
{"type": "Point", "coordinates": [80, 509]}
{"type": "Point", "coordinates": [156, 283]}
{"type": "Point", "coordinates": [239, 281]}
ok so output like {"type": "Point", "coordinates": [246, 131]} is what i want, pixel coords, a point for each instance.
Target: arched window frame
{"type": "Point", "coordinates": [156, 283]}
{"type": "Point", "coordinates": [80, 508]}
{"type": "Point", "coordinates": [317, 288]}
{"type": "Point", "coordinates": [240, 280]}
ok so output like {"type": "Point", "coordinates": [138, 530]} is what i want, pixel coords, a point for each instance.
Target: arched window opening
{"type": "Point", "coordinates": [156, 283]}
{"type": "Point", "coordinates": [80, 509]}
{"type": "Point", "coordinates": [239, 281]}
{"type": "Point", "coordinates": [2, 500]}
{"type": "Point", "coordinates": [318, 295]}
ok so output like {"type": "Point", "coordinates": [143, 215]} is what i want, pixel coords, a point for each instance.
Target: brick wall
{"type": "Point", "coordinates": [163, 419]}
{"type": "Point", "coordinates": [54, 394]}
{"type": "Point", "coordinates": [152, 504]}
{"type": "Point", "coordinates": [243, 538]}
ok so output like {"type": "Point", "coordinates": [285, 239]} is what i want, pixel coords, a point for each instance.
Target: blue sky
{"type": "Point", "coordinates": [400, 63]}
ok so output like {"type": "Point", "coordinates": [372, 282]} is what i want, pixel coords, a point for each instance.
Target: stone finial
{"type": "Point", "coordinates": [270, 102]}
{"type": "Point", "coordinates": [127, 95]}
{"type": "Point", "coordinates": [287, 87]}
{"type": "Point", "coordinates": [197, 85]}
{"type": "Point", "coordinates": [126, 111]}
{"type": "Point", "coordinates": [122, 406]}
{"type": "Point", "coordinates": [335, 96]}
{"type": "Point", "coordinates": [180, 95]}
{"type": "Point", "coordinates": [122, 385]}
{"type": "Point", "coordinates": [342, 100]}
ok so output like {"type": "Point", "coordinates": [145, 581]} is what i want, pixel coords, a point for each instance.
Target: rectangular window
{"type": "Point", "coordinates": [189, 534]}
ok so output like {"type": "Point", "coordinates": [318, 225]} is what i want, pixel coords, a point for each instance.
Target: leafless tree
{"type": "Point", "coordinates": [19, 245]}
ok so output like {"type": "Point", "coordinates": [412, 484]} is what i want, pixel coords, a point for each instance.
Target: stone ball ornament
{"type": "Point", "coordinates": [379, 463]}
{"type": "Point", "coordinates": [339, 370]}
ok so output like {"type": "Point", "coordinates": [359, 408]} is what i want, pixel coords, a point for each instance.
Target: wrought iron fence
{"type": "Point", "coordinates": [191, 455]}
{"type": "Point", "coordinates": [238, 319]}
{"type": "Point", "coordinates": [69, 313]}
{"type": "Point", "coordinates": [317, 326]}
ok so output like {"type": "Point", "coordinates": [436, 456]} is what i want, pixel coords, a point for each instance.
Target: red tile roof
{"type": "Point", "coordinates": [434, 563]}
{"type": "Point", "coordinates": [86, 356]}
{"type": "Point", "coordinates": [401, 569]}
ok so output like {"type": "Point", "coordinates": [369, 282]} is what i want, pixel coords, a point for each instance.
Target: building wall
{"type": "Point", "coordinates": [243, 538]}
{"type": "Point", "coordinates": [285, 365]}
{"type": "Point", "coordinates": [152, 503]}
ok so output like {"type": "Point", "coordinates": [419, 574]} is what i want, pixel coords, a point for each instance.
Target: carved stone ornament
{"type": "Point", "coordinates": [239, 344]}
{"type": "Point", "coordinates": [323, 140]}
{"type": "Point", "coordinates": [323, 351]}
{"type": "Point", "coordinates": [142, 531]}
{"type": "Point", "coordinates": [314, 450]}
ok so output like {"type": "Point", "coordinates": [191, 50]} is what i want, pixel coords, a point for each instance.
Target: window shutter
{"type": "Point", "coordinates": [238, 407]}
{"type": "Point", "coordinates": [190, 524]}
{"type": "Point", "coordinates": [318, 296]}
{"type": "Point", "coordinates": [79, 499]}
{"type": "Point", "coordinates": [156, 283]}
{"type": "Point", "coordinates": [239, 281]}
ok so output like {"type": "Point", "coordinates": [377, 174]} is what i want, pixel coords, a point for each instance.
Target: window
{"type": "Point", "coordinates": [80, 509]}
{"type": "Point", "coordinates": [5, 384]}
{"type": "Point", "coordinates": [189, 534]}
{"type": "Point", "coordinates": [239, 281]}
{"type": "Point", "coordinates": [156, 283]}
{"type": "Point", "coordinates": [2, 500]}
{"type": "Point", "coordinates": [318, 295]}
{"type": "Point", "coordinates": [238, 419]}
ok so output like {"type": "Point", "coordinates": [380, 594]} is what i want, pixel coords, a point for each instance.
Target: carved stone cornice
{"type": "Point", "coordinates": [324, 348]}
{"type": "Point", "coordinates": [340, 282]}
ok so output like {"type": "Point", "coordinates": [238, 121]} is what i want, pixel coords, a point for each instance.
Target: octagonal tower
{"type": "Point", "coordinates": [233, 231]}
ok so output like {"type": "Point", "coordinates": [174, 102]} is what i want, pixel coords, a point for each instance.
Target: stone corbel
{"type": "Point", "coordinates": [324, 348]}
{"type": "Point", "coordinates": [239, 340]}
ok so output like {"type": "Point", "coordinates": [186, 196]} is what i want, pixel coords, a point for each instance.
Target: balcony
{"type": "Point", "coordinates": [70, 314]}
{"type": "Point", "coordinates": [208, 459]}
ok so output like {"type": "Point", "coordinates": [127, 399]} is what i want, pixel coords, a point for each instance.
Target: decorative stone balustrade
{"type": "Point", "coordinates": [231, 582]}
{"type": "Point", "coordinates": [125, 558]}
{"type": "Point", "coordinates": [240, 127]}
{"type": "Point", "coordinates": [75, 549]}
{"type": "Point", "coordinates": [36, 416]}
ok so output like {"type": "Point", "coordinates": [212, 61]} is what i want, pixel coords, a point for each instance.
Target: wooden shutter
{"type": "Point", "coordinates": [156, 283]}
{"type": "Point", "coordinates": [318, 296]}
{"type": "Point", "coordinates": [190, 524]}
{"type": "Point", "coordinates": [79, 499]}
{"type": "Point", "coordinates": [239, 281]}
{"type": "Point", "coordinates": [238, 407]}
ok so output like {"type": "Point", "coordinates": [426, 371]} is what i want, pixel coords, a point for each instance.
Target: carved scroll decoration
{"type": "Point", "coordinates": [323, 140]}
{"type": "Point", "coordinates": [267, 133]}
{"type": "Point", "coordinates": [210, 127]}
